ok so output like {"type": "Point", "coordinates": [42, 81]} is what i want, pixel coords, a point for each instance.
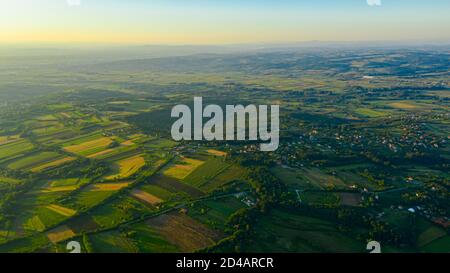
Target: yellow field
{"type": "Point", "coordinates": [119, 102]}
{"type": "Point", "coordinates": [182, 170]}
{"type": "Point", "coordinates": [62, 210]}
{"type": "Point", "coordinates": [146, 197]}
{"type": "Point", "coordinates": [403, 105]}
{"type": "Point", "coordinates": [8, 139]}
{"type": "Point", "coordinates": [60, 234]}
{"type": "Point", "coordinates": [93, 144]}
{"type": "Point", "coordinates": [52, 164]}
{"type": "Point", "coordinates": [216, 152]}
{"type": "Point", "coordinates": [128, 167]}
{"type": "Point", "coordinates": [186, 233]}
{"type": "Point", "coordinates": [108, 186]}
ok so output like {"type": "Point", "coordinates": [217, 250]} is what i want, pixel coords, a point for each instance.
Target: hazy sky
{"type": "Point", "coordinates": [222, 21]}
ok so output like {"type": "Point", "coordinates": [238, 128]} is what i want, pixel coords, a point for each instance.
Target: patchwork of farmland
{"type": "Point", "coordinates": [284, 231]}
{"type": "Point", "coordinates": [127, 167]}
{"type": "Point", "coordinates": [363, 155]}
{"type": "Point", "coordinates": [93, 195]}
{"type": "Point", "coordinates": [31, 160]}
{"type": "Point", "coordinates": [89, 147]}
{"type": "Point", "coordinates": [184, 232]}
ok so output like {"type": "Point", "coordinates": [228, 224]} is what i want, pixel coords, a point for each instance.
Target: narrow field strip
{"type": "Point", "coordinates": [62, 210]}
{"type": "Point", "coordinates": [146, 197]}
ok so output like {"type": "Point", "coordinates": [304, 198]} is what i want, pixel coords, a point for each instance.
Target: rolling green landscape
{"type": "Point", "coordinates": [86, 153]}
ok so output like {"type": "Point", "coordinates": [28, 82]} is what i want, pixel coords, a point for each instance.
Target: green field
{"type": "Point", "coordinates": [158, 191]}
{"type": "Point", "coordinates": [206, 172]}
{"type": "Point", "coordinates": [42, 219]}
{"type": "Point", "coordinates": [148, 240]}
{"type": "Point", "coordinates": [112, 242]}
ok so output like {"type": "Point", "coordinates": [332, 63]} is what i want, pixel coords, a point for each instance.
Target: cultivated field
{"type": "Point", "coordinates": [146, 197]}
{"type": "Point", "coordinates": [184, 232]}
{"type": "Point", "coordinates": [128, 167]}
{"type": "Point", "coordinates": [183, 168]}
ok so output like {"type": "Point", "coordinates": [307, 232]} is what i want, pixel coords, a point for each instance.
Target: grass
{"type": "Point", "coordinates": [112, 242]}
{"type": "Point", "coordinates": [34, 223]}
{"type": "Point", "coordinates": [310, 178]}
{"type": "Point", "coordinates": [403, 105]}
{"type": "Point", "coordinates": [101, 153]}
{"type": "Point", "coordinates": [128, 167]}
{"type": "Point", "coordinates": [352, 178]}
{"type": "Point", "coordinates": [287, 231]}
{"type": "Point", "coordinates": [116, 153]}
{"type": "Point", "coordinates": [320, 198]}
{"type": "Point", "coordinates": [148, 240]}
{"type": "Point", "coordinates": [15, 148]}
{"type": "Point", "coordinates": [161, 143]}
{"type": "Point", "coordinates": [8, 139]}
{"type": "Point", "coordinates": [94, 194]}
{"type": "Point", "coordinates": [32, 160]}
{"type": "Point", "coordinates": [59, 189]}
{"type": "Point", "coordinates": [82, 139]}
{"type": "Point", "coordinates": [292, 177]}
{"type": "Point", "coordinates": [60, 234]}
{"type": "Point", "coordinates": [48, 130]}
{"type": "Point", "coordinates": [317, 177]}
{"type": "Point", "coordinates": [86, 199]}
{"type": "Point", "coordinates": [6, 182]}
{"type": "Point", "coordinates": [370, 113]}
{"type": "Point", "coordinates": [215, 213]}
{"type": "Point", "coordinates": [25, 245]}
{"type": "Point", "coordinates": [186, 233]}
{"type": "Point", "coordinates": [146, 197]}
{"type": "Point", "coordinates": [62, 210]}
{"type": "Point", "coordinates": [216, 152]}
{"type": "Point", "coordinates": [108, 186]}
{"type": "Point", "coordinates": [205, 172]}
{"type": "Point", "coordinates": [42, 217]}
{"type": "Point", "coordinates": [67, 182]}
{"type": "Point", "coordinates": [438, 246]}
{"type": "Point", "coordinates": [175, 186]}
{"type": "Point", "coordinates": [89, 147]}
{"type": "Point", "coordinates": [183, 168]}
